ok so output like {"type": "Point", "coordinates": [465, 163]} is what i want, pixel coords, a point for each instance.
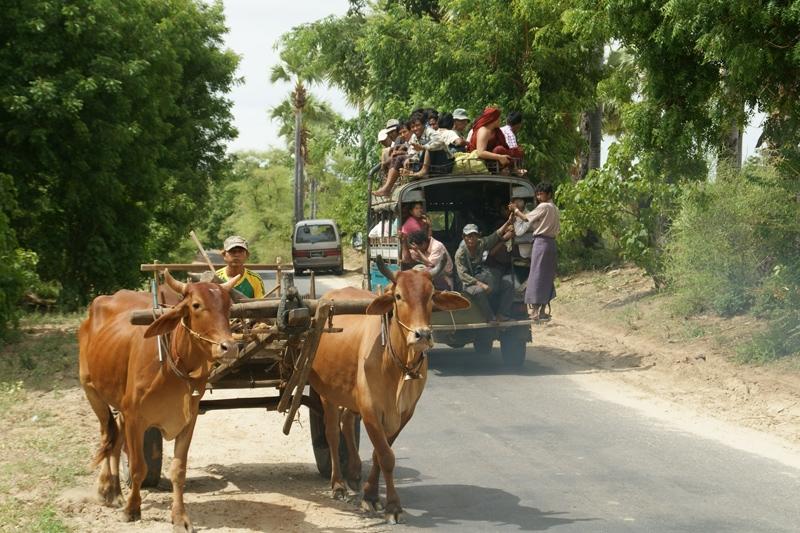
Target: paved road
{"type": "Point", "coordinates": [323, 283]}
{"type": "Point", "coordinates": [492, 450]}
{"type": "Point", "coordinates": [532, 450]}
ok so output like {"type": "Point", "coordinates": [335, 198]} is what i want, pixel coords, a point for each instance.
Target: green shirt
{"type": "Point", "coordinates": [249, 284]}
{"type": "Point", "coordinates": [470, 266]}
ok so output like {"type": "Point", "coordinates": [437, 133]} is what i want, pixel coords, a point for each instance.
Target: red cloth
{"type": "Point", "coordinates": [489, 115]}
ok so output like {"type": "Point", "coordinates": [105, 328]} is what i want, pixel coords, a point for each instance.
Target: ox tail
{"type": "Point", "coordinates": [109, 441]}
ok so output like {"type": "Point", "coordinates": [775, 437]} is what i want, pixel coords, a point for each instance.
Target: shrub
{"type": "Point", "coordinates": [734, 244]}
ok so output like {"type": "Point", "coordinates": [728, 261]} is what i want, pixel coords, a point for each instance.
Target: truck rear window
{"type": "Point", "coordinates": [312, 234]}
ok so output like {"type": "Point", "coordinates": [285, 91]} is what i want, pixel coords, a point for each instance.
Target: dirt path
{"type": "Point", "coordinates": [244, 475]}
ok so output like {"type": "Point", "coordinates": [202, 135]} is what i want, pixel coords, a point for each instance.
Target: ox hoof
{"type": "Point", "coordinates": [372, 506]}
{"type": "Point", "coordinates": [394, 518]}
{"type": "Point", "coordinates": [394, 513]}
{"type": "Point", "coordinates": [131, 516]}
{"type": "Point", "coordinates": [339, 493]}
{"type": "Point", "coordinates": [185, 527]}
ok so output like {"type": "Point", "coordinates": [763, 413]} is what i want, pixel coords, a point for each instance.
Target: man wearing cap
{"type": "Point", "coordinates": [460, 120]}
{"type": "Point", "coordinates": [235, 254]}
{"type": "Point", "coordinates": [480, 281]}
{"type": "Point", "coordinates": [523, 230]}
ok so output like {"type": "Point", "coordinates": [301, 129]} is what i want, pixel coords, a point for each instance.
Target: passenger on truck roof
{"type": "Point", "coordinates": [432, 118]}
{"type": "Point", "coordinates": [235, 253]}
{"type": "Point", "coordinates": [460, 121]}
{"type": "Point", "coordinates": [487, 140]}
{"type": "Point", "coordinates": [397, 159]}
{"type": "Point", "coordinates": [491, 292]}
{"type": "Point", "coordinates": [422, 152]}
{"type": "Point", "coordinates": [427, 251]}
{"type": "Point", "coordinates": [509, 131]}
{"type": "Point", "coordinates": [451, 139]}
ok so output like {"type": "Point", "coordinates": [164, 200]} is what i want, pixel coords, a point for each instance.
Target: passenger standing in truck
{"type": "Point", "coordinates": [544, 221]}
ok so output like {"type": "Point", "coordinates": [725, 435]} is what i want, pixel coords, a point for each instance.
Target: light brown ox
{"type": "Point", "coordinates": [119, 368]}
{"type": "Point", "coordinates": [353, 370]}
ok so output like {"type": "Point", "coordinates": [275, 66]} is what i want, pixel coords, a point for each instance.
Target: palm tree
{"type": "Point", "coordinates": [292, 70]}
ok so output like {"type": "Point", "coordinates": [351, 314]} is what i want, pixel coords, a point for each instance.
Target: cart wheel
{"type": "Point", "coordinates": [482, 344]}
{"type": "Point", "coordinates": [322, 454]}
{"type": "Point", "coordinates": [153, 455]}
{"type": "Point", "coordinates": [512, 347]}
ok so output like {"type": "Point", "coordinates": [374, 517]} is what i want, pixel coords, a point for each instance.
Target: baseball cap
{"type": "Point", "coordinates": [392, 123]}
{"type": "Point", "coordinates": [460, 114]}
{"type": "Point", "coordinates": [233, 242]}
{"type": "Point", "coordinates": [383, 135]}
{"type": "Point", "coordinates": [471, 228]}
{"type": "Point", "coordinates": [521, 192]}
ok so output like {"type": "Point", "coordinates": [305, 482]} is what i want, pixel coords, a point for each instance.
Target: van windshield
{"type": "Point", "coordinates": [316, 233]}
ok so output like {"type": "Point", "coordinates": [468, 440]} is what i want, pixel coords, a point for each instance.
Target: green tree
{"type": "Point", "coordinates": [114, 121]}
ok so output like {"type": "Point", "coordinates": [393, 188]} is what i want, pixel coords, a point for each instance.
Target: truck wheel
{"type": "Point", "coordinates": [322, 454]}
{"type": "Point", "coordinates": [153, 456]}
{"type": "Point", "coordinates": [482, 344]}
{"type": "Point", "coordinates": [512, 347]}
{"type": "Point", "coordinates": [298, 272]}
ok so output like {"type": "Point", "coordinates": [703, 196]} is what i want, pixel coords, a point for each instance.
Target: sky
{"type": "Point", "coordinates": [254, 28]}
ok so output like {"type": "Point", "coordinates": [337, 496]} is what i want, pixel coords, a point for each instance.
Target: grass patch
{"type": "Point", "coordinates": [42, 448]}
{"type": "Point", "coordinates": [781, 339]}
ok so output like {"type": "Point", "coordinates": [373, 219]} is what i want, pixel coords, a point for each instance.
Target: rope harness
{"type": "Point", "coordinates": [410, 371]}
{"type": "Point", "coordinates": [165, 342]}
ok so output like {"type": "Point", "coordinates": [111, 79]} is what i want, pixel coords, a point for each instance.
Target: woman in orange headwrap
{"type": "Point", "coordinates": [487, 139]}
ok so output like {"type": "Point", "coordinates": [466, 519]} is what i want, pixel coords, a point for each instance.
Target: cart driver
{"type": "Point", "coordinates": [235, 254]}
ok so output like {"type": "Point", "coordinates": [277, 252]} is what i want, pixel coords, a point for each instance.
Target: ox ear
{"type": "Point", "coordinates": [168, 321]}
{"type": "Point", "coordinates": [382, 304]}
{"type": "Point", "coordinates": [449, 301]}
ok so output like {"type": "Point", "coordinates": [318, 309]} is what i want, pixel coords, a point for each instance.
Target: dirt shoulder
{"type": "Point", "coordinates": [615, 324]}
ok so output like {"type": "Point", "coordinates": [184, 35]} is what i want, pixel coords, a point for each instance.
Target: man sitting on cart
{"type": "Point", "coordinates": [481, 282]}
{"type": "Point", "coordinates": [235, 254]}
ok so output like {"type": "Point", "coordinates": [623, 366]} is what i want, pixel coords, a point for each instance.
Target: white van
{"type": "Point", "coordinates": [317, 245]}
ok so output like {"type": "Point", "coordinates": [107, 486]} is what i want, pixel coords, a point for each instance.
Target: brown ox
{"type": "Point", "coordinates": [353, 370]}
{"type": "Point", "coordinates": [119, 368]}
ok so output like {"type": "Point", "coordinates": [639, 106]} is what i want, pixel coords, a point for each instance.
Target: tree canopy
{"type": "Point", "coordinates": [113, 120]}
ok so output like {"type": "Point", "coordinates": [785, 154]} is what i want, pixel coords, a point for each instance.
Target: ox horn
{"type": "Point", "coordinates": [390, 275]}
{"type": "Point", "coordinates": [228, 285]}
{"type": "Point", "coordinates": [174, 284]}
{"type": "Point", "coordinates": [439, 267]}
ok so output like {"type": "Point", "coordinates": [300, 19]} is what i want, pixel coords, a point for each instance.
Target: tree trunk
{"type": "Point", "coordinates": [299, 182]}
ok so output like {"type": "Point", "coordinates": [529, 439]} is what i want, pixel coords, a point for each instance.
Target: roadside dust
{"type": "Point", "coordinates": [244, 475]}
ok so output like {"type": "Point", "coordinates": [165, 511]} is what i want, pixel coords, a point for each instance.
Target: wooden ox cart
{"type": "Point", "coordinates": [278, 338]}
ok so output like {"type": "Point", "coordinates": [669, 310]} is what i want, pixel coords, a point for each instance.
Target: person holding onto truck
{"type": "Point", "coordinates": [426, 250]}
{"type": "Point", "coordinates": [545, 225]}
{"type": "Point", "coordinates": [235, 254]}
{"type": "Point", "coordinates": [491, 292]}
